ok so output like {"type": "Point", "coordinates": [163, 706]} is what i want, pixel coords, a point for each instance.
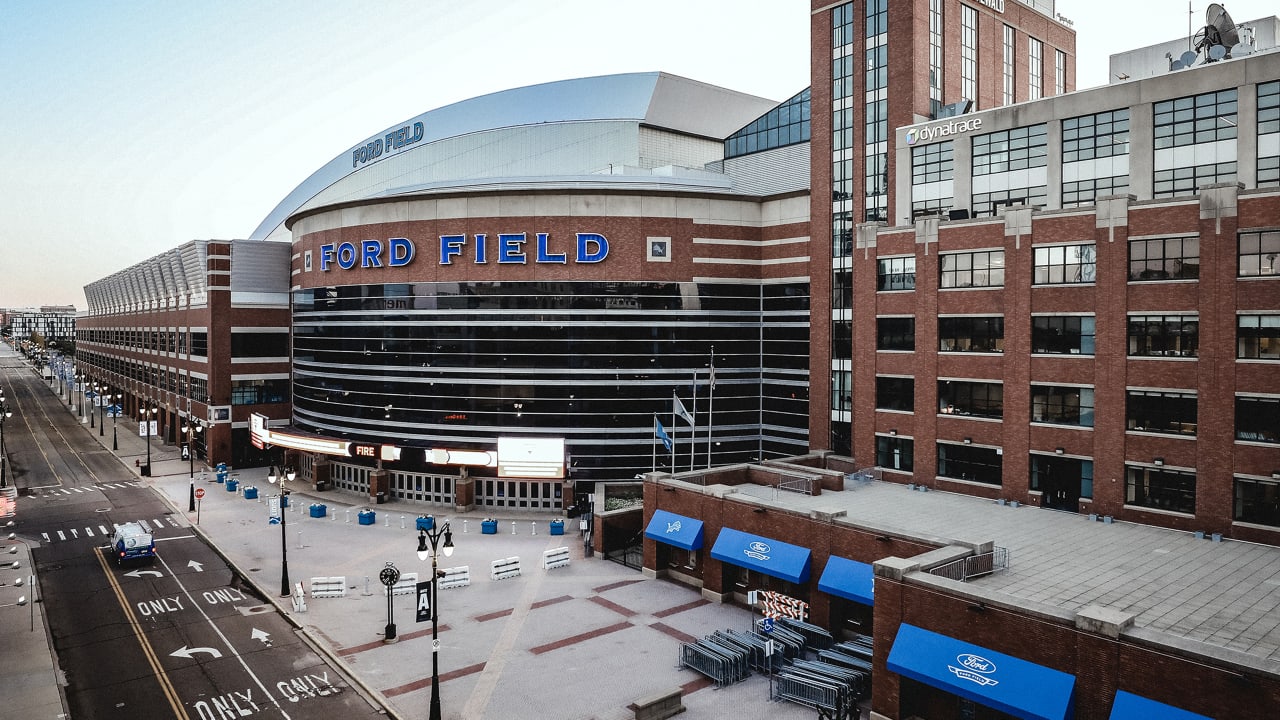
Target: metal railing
{"type": "Point", "coordinates": [802, 485]}
{"type": "Point", "coordinates": [974, 565]}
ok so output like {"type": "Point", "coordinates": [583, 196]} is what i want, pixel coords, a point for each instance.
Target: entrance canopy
{"type": "Point", "coordinates": [672, 529]}
{"type": "Point", "coordinates": [849, 579]}
{"type": "Point", "coordinates": [1135, 707]}
{"type": "Point", "coordinates": [1003, 682]}
{"type": "Point", "coordinates": [771, 557]}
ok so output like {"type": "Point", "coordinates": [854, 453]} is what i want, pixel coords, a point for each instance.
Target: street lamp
{"type": "Point", "coordinates": [191, 428]}
{"type": "Point", "coordinates": [95, 397]}
{"type": "Point", "coordinates": [284, 542]}
{"type": "Point", "coordinates": [102, 403]}
{"type": "Point", "coordinates": [115, 415]}
{"type": "Point", "coordinates": [434, 535]}
{"type": "Point", "coordinates": [148, 413]}
{"type": "Point", "coordinates": [5, 413]}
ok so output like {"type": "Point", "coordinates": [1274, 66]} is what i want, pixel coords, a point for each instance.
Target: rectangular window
{"type": "Point", "coordinates": [1160, 489]}
{"type": "Point", "coordinates": [841, 392]}
{"type": "Point", "coordinates": [1035, 63]}
{"type": "Point", "coordinates": [969, 54]}
{"type": "Point", "coordinates": [843, 25]}
{"type": "Point", "coordinates": [967, 462]}
{"type": "Point", "coordinates": [1059, 72]}
{"type": "Point", "coordinates": [1268, 134]}
{"type": "Point", "coordinates": [895, 393]}
{"type": "Point", "coordinates": [1087, 192]}
{"type": "Point", "coordinates": [1065, 264]}
{"type": "Point", "coordinates": [1007, 64]}
{"type": "Point", "coordinates": [1187, 180]}
{"type": "Point", "coordinates": [898, 273]}
{"type": "Point", "coordinates": [932, 163]}
{"type": "Point", "coordinates": [200, 344]}
{"type": "Point", "coordinates": [1164, 259]}
{"type": "Point", "coordinates": [896, 333]}
{"type": "Point", "coordinates": [1063, 480]}
{"type": "Point", "coordinates": [935, 57]}
{"type": "Point", "coordinates": [1159, 411]}
{"type": "Point", "coordinates": [895, 453]}
{"type": "Point", "coordinates": [1164, 335]}
{"type": "Point", "coordinates": [254, 392]}
{"type": "Point", "coordinates": [1101, 135]}
{"type": "Point", "coordinates": [1259, 253]}
{"type": "Point", "coordinates": [975, 399]}
{"type": "Point", "coordinates": [1258, 337]}
{"type": "Point", "coordinates": [1257, 501]}
{"type": "Point", "coordinates": [972, 269]}
{"type": "Point", "coordinates": [1062, 405]}
{"type": "Point", "coordinates": [1196, 119]}
{"type": "Point", "coordinates": [971, 334]}
{"type": "Point", "coordinates": [842, 339]}
{"type": "Point", "coordinates": [1014, 149]}
{"type": "Point", "coordinates": [1258, 419]}
{"type": "Point", "coordinates": [259, 345]}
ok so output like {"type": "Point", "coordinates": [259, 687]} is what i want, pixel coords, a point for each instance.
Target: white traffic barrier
{"type": "Point", "coordinates": [455, 577]}
{"type": "Point", "coordinates": [299, 598]}
{"type": "Point", "coordinates": [505, 568]}
{"type": "Point", "coordinates": [322, 587]}
{"type": "Point", "coordinates": [555, 557]}
{"type": "Point", "coordinates": [407, 584]}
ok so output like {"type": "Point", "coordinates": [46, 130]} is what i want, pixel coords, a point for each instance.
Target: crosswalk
{"type": "Point", "coordinates": [61, 491]}
{"type": "Point", "coordinates": [103, 532]}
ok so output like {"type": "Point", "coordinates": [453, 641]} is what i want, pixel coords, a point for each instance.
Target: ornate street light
{"type": "Point", "coordinates": [148, 413]}
{"type": "Point", "coordinates": [5, 413]}
{"type": "Point", "coordinates": [191, 428]}
{"type": "Point", "coordinates": [284, 543]}
{"type": "Point", "coordinates": [433, 535]}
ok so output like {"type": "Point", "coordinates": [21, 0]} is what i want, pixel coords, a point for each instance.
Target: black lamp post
{"type": "Point", "coordinates": [115, 415]}
{"type": "Point", "coordinates": [5, 413]}
{"type": "Point", "coordinates": [192, 427]}
{"type": "Point", "coordinates": [95, 397]}
{"type": "Point", "coordinates": [284, 542]}
{"type": "Point", "coordinates": [147, 414]}
{"type": "Point", "coordinates": [433, 535]}
{"type": "Point", "coordinates": [103, 397]}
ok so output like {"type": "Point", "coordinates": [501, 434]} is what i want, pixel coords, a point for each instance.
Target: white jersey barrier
{"type": "Point", "coordinates": [505, 568]}
{"type": "Point", "coordinates": [323, 587]}
{"type": "Point", "coordinates": [455, 577]}
{"type": "Point", "coordinates": [406, 585]}
{"type": "Point", "coordinates": [555, 557]}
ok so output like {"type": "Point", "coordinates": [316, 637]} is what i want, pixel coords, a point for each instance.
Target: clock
{"type": "Point", "coordinates": [389, 575]}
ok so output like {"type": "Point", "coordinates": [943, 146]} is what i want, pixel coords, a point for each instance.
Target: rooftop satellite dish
{"type": "Point", "coordinates": [1241, 49]}
{"type": "Point", "coordinates": [1187, 59]}
{"type": "Point", "coordinates": [1219, 29]}
{"type": "Point", "coordinates": [1217, 52]}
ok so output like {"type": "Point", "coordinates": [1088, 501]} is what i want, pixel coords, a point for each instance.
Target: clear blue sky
{"type": "Point", "coordinates": [132, 127]}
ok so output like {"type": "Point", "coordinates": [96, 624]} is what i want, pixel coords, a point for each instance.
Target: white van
{"type": "Point", "coordinates": [132, 542]}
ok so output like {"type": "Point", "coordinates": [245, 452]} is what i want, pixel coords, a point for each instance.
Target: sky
{"type": "Point", "coordinates": [132, 127]}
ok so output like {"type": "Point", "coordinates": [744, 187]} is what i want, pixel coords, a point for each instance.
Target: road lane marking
{"type": "Point", "coordinates": [166, 685]}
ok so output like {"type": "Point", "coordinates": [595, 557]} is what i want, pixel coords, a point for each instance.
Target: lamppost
{"type": "Point", "coordinates": [72, 379]}
{"type": "Point", "coordinates": [284, 542]}
{"type": "Point", "coordinates": [147, 413]}
{"type": "Point", "coordinates": [80, 394]}
{"type": "Point", "coordinates": [191, 428]}
{"type": "Point", "coordinates": [95, 397]}
{"type": "Point", "coordinates": [115, 415]}
{"type": "Point", "coordinates": [5, 413]}
{"type": "Point", "coordinates": [103, 398]}
{"type": "Point", "coordinates": [433, 535]}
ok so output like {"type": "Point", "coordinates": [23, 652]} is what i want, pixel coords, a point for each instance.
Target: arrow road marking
{"type": "Point", "coordinates": [140, 573]}
{"type": "Point", "coordinates": [185, 652]}
{"type": "Point", "coordinates": [260, 635]}
{"type": "Point", "coordinates": [197, 566]}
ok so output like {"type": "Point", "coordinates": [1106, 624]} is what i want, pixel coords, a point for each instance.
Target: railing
{"type": "Point", "coordinates": [974, 565]}
{"type": "Point", "coordinates": [802, 485]}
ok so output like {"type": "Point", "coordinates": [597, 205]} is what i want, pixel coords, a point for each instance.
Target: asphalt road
{"type": "Point", "coordinates": [182, 637]}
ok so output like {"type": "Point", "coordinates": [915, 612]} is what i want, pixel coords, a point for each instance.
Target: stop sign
{"type": "Point", "coordinates": [199, 493]}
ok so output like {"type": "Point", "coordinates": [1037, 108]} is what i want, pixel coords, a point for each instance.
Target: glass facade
{"type": "Point", "coordinates": [459, 364]}
{"type": "Point", "coordinates": [1269, 134]}
{"type": "Point", "coordinates": [786, 124]}
{"type": "Point", "coordinates": [1195, 142]}
{"type": "Point", "coordinates": [1095, 157]}
{"type": "Point", "coordinates": [1009, 169]}
{"type": "Point", "coordinates": [932, 178]}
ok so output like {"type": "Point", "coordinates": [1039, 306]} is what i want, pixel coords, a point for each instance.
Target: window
{"type": "Point", "coordinates": [967, 462]}
{"type": "Point", "coordinates": [895, 453]}
{"type": "Point", "coordinates": [259, 345]}
{"type": "Point", "coordinates": [842, 25]}
{"type": "Point", "coordinates": [971, 334]}
{"type": "Point", "coordinates": [1164, 335]}
{"type": "Point", "coordinates": [1062, 405]}
{"type": "Point", "coordinates": [1059, 72]}
{"type": "Point", "coordinates": [969, 54]}
{"type": "Point", "coordinates": [1160, 411]}
{"type": "Point", "coordinates": [1035, 62]}
{"type": "Point", "coordinates": [841, 393]}
{"type": "Point", "coordinates": [932, 163]}
{"type": "Point", "coordinates": [935, 57]}
{"type": "Point", "coordinates": [895, 393]}
{"type": "Point", "coordinates": [786, 124]}
{"type": "Point", "coordinates": [976, 399]}
{"type": "Point", "coordinates": [1013, 149]}
{"type": "Point", "coordinates": [253, 392]}
{"type": "Point", "coordinates": [1258, 419]}
{"type": "Point", "coordinates": [1186, 180]}
{"type": "Point", "coordinates": [1258, 337]}
{"type": "Point", "coordinates": [972, 269]}
{"type": "Point", "coordinates": [896, 333]}
{"type": "Point", "coordinates": [898, 273]}
{"type": "Point", "coordinates": [842, 339]}
{"type": "Point", "coordinates": [1269, 134]}
{"type": "Point", "coordinates": [1007, 98]}
{"type": "Point", "coordinates": [1164, 259]}
{"type": "Point", "coordinates": [200, 344]}
{"type": "Point", "coordinates": [1061, 476]}
{"type": "Point", "coordinates": [1258, 253]}
{"type": "Point", "coordinates": [1065, 264]}
{"type": "Point", "coordinates": [1088, 137]}
{"type": "Point", "coordinates": [1085, 192]}
{"type": "Point", "coordinates": [1197, 119]}
{"type": "Point", "coordinates": [1257, 501]}
{"type": "Point", "coordinates": [1161, 489]}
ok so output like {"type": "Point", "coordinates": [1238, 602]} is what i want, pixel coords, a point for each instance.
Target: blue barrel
{"type": "Point", "coordinates": [367, 517]}
{"type": "Point", "coordinates": [318, 510]}
{"type": "Point", "coordinates": [557, 527]}
{"type": "Point", "coordinates": [426, 522]}
{"type": "Point", "coordinates": [251, 493]}
{"type": "Point", "coordinates": [489, 527]}
{"type": "Point", "coordinates": [232, 485]}
{"type": "Point", "coordinates": [222, 476]}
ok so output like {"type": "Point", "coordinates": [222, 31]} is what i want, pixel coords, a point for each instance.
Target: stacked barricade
{"type": "Point", "coordinates": [323, 587]}
{"type": "Point", "coordinates": [814, 636]}
{"type": "Point", "coordinates": [725, 664]}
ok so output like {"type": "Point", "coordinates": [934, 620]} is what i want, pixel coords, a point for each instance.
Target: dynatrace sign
{"type": "Point", "coordinates": [929, 133]}
{"type": "Point", "coordinates": [402, 138]}
{"type": "Point", "coordinates": [508, 249]}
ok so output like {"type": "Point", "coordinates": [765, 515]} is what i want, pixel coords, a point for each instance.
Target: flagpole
{"type": "Point", "coordinates": [693, 429]}
{"type": "Point", "coordinates": [653, 466]}
{"type": "Point", "coordinates": [673, 430]}
{"type": "Point", "coordinates": [711, 398]}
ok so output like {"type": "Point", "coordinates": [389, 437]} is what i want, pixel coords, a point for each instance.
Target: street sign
{"type": "Point", "coordinates": [767, 625]}
{"type": "Point", "coordinates": [199, 493]}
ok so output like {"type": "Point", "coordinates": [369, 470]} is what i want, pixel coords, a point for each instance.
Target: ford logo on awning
{"type": "Point", "coordinates": [974, 668]}
{"type": "Point", "coordinates": [758, 550]}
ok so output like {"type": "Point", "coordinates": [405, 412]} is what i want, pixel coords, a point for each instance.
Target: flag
{"type": "Point", "coordinates": [680, 410]}
{"type": "Point", "coordinates": [713, 373]}
{"type": "Point", "coordinates": [661, 433]}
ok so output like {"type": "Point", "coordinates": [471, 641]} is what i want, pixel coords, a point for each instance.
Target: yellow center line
{"type": "Point", "coordinates": [165, 683]}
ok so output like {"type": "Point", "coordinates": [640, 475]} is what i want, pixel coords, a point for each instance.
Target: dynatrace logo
{"type": "Point", "coordinates": [929, 133]}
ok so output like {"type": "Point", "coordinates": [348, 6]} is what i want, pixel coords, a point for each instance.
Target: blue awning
{"type": "Point", "coordinates": [1135, 707]}
{"type": "Point", "coordinates": [1002, 682]}
{"type": "Point", "coordinates": [771, 557]}
{"type": "Point", "coordinates": [849, 579]}
{"type": "Point", "coordinates": [673, 529]}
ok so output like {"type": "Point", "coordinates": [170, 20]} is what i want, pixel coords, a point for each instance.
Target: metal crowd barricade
{"type": "Point", "coordinates": [793, 643]}
{"type": "Point", "coordinates": [724, 660]}
{"type": "Point", "coordinates": [814, 636]}
{"type": "Point", "coordinates": [821, 685]}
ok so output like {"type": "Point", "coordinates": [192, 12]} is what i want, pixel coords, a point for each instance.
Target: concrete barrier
{"type": "Point", "coordinates": [455, 577]}
{"type": "Point", "coordinates": [555, 557]}
{"type": "Point", "coordinates": [406, 585]}
{"type": "Point", "coordinates": [299, 598]}
{"type": "Point", "coordinates": [505, 568]}
{"type": "Point", "coordinates": [322, 587]}
{"type": "Point", "coordinates": [658, 705]}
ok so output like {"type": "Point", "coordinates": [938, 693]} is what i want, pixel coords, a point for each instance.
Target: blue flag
{"type": "Point", "coordinates": [661, 433]}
